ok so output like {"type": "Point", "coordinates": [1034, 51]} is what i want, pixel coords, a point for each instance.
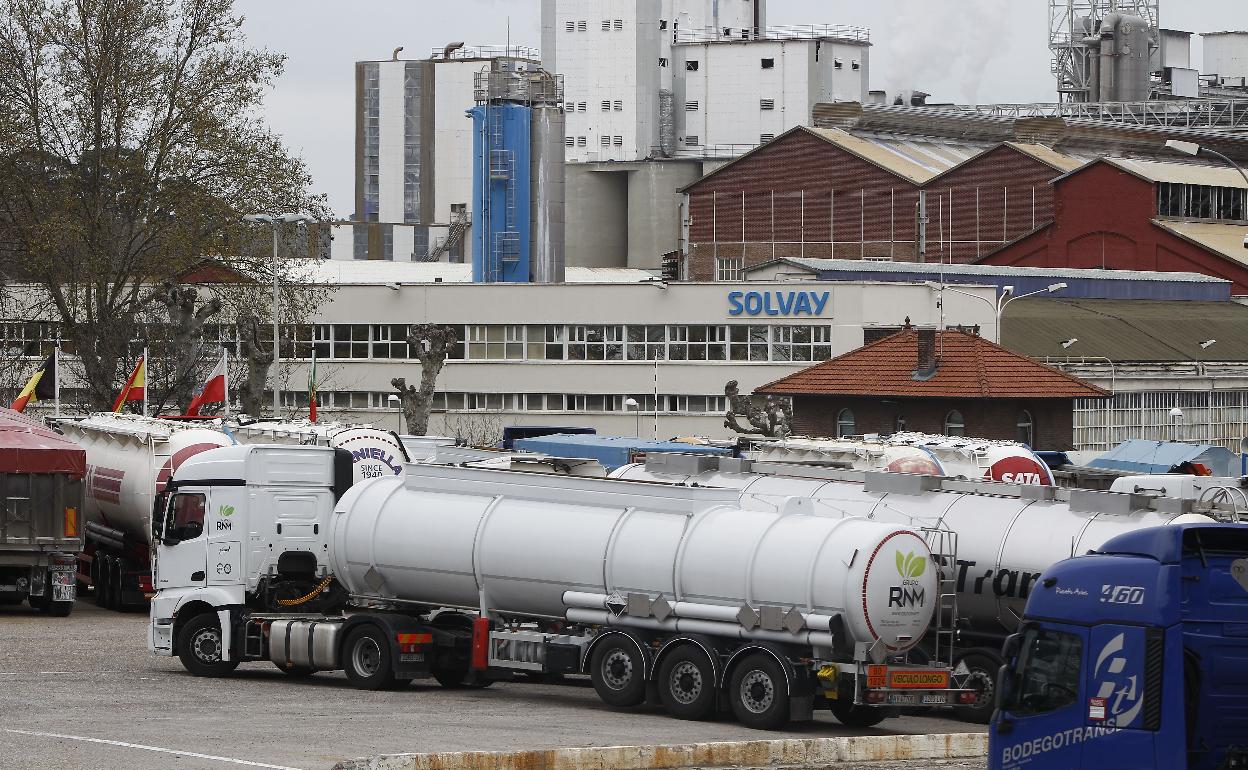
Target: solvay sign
{"type": "Point", "coordinates": [778, 303]}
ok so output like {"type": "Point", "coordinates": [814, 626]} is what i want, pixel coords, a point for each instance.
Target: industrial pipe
{"type": "Point", "coordinates": [714, 613]}
{"type": "Point", "coordinates": [710, 628]}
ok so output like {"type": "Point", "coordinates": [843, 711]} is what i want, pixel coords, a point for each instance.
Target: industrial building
{"type": "Point", "coordinates": [911, 184]}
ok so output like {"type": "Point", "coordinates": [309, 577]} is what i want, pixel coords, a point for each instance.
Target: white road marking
{"type": "Point", "coordinates": [157, 749]}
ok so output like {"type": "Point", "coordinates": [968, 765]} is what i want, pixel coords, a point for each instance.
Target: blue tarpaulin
{"type": "Point", "coordinates": [1140, 456]}
{"type": "Point", "coordinates": [611, 451]}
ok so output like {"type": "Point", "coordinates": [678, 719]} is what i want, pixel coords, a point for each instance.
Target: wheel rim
{"type": "Point", "coordinates": [617, 669]}
{"type": "Point", "coordinates": [366, 657]}
{"type": "Point", "coordinates": [757, 692]}
{"type": "Point", "coordinates": [685, 683]}
{"type": "Point", "coordinates": [984, 687]}
{"type": "Point", "coordinates": [206, 644]}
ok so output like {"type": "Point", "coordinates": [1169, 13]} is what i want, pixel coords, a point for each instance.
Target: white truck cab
{"type": "Point", "coordinates": [242, 526]}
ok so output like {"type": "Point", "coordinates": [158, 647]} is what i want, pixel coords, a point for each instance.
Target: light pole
{"type": "Point", "coordinates": [275, 220]}
{"type": "Point", "coordinates": [1176, 415]}
{"type": "Point", "coordinates": [631, 403]}
{"type": "Point", "coordinates": [1005, 298]}
{"type": "Point", "coordinates": [397, 403]}
{"type": "Point", "coordinates": [1193, 149]}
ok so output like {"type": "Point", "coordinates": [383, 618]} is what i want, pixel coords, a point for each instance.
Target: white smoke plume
{"type": "Point", "coordinates": [958, 37]}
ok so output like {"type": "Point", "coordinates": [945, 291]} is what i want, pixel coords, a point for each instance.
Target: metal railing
{"type": "Point", "coordinates": [780, 32]}
{"type": "Point", "coordinates": [490, 52]}
{"type": "Point", "coordinates": [1186, 113]}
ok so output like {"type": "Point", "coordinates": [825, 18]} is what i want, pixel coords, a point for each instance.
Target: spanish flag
{"type": "Point", "coordinates": [42, 385]}
{"type": "Point", "coordinates": [133, 391]}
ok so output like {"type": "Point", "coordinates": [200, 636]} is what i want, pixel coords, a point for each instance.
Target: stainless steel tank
{"type": "Point", "coordinates": [546, 177]}
{"type": "Point", "coordinates": [519, 543]}
{"type": "Point", "coordinates": [1004, 541]}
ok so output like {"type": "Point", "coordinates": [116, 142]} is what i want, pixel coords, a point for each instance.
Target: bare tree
{"type": "Point", "coordinates": [431, 344]}
{"type": "Point", "coordinates": [131, 141]}
{"type": "Point", "coordinates": [774, 419]}
{"type": "Point", "coordinates": [476, 428]}
{"type": "Point", "coordinates": [182, 358]}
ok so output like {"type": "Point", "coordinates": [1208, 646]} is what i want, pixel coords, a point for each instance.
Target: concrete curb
{"type": "Point", "coordinates": [807, 753]}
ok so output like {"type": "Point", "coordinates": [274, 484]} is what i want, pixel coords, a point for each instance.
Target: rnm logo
{"type": "Point", "coordinates": [910, 566]}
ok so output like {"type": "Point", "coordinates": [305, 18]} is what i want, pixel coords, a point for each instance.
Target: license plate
{"type": "Point", "coordinates": [904, 700]}
{"type": "Point", "coordinates": [935, 699]}
{"type": "Point", "coordinates": [63, 593]}
{"type": "Point", "coordinates": [63, 578]}
{"type": "Point", "coordinates": [412, 657]}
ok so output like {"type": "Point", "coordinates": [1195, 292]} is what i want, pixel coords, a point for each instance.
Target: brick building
{"type": "Point", "coordinates": [1121, 214]}
{"type": "Point", "coordinates": [952, 382]}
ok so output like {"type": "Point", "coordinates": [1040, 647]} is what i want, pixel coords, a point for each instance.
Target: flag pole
{"type": "Point", "coordinates": [225, 360]}
{"type": "Point", "coordinates": [56, 377]}
{"type": "Point", "coordinates": [145, 378]}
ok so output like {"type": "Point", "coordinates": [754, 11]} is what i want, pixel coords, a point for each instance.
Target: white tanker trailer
{"type": "Point", "coordinates": [673, 593]}
{"type": "Point", "coordinates": [130, 459]}
{"type": "Point", "coordinates": [922, 453]}
{"type": "Point", "coordinates": [374, 452]}
{"type": "Point", "coordinates": [1006, 534]}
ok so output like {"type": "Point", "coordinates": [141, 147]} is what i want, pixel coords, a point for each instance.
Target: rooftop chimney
{"type": "Point", "coordinates": [927, 362]}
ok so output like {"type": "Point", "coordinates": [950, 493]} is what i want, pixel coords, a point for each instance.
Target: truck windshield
{"type": "Point", "coordinates": [1046, 677]}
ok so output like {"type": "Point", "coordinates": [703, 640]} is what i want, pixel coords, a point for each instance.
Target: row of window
{"type": "Point", "coordinates": [607, 106]}
{"type": "Point", "coordinates": [1192, 201]}
{"type": "Point", "coordinates": [954, 425]}
{"type": "Point", "coordinates": [694, 106]}
{"type": "Point", "coordinates": [604, 140]}
{"type": "Point", "coordinates": [583, 25]}
{"type": "Point", "coordinates": [518, 402]}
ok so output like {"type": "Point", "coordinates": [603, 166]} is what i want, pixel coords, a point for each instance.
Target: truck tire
{"type": "Point", "coordinates": [199, 647]}
{"type": "Point", "coordinates": [617, 671]}
{"type": "Point", "coordinates": [112, 579]}
{"type": "Point", "coordinates": [296, 672]}
{"type": "Point", "coordinates": [686, 683]}
{"type": "Point", "coordinates": [858, 716]}
{"type": "Point", "coordinates": [367, 660]}
{"type": "Point", "coordinates": [99, 580]}
{"type": "Point", "coordinates": [759, 692]}
{"type": "Point", "coordinates": [57, 609]}
{"type": "Point", "coordinates": [984, 665]}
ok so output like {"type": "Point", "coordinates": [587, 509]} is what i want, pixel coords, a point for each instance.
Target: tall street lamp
{"type": "Point", "coordinates": [1193, 149]}
{"type": "Point", "coordinates": [631, 403]}
{"type": "Point", "coordinates": [1006, 297]}
{"type": "Point", "coordinates": [276, 220]}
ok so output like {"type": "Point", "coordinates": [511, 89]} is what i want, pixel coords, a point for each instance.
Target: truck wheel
{"type": "Point", "coordinates": [687, 684]}
{"type": "Point", "coordinates": [57, 609]}
{"type": "Point", "coordinates": [113, 579]}
{"type": "Point", "coordinates": [858, 716]}
{"type": "Point", "coordinates": [99, 580]}
{"type": "Point", "coordinates": [759, 693]}
{"type": "Point", "coordinates": [366, 659]}
{"type": "Point", "coordinates": [984, 665]}
{"type": "Point", "coordinates": [296, 672]}
{"type": "Point", "coordinates": [200, 646]}
{"type": "Point", "coordinates": [618, 672]}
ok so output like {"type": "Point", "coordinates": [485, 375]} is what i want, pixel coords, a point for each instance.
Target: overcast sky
{"type": "Point", "coordinates": [958, 50]}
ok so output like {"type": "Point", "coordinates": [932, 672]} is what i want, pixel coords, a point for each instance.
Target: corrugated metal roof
{"type": "Point", "coordinates": [1226, 240]}
{"type": "Point", "coordinates": [1045, 154]}
{"type": "Point", "coordinates": [1126, 330]}
{"type": "Point", "coordinates": [1181, 173]}
{"type": "Point", "coordinates": [915, 158]}
{"type": "Point", "coordinates": [368, 271]}
{"type": "Point", "coordinates": [995, 271]}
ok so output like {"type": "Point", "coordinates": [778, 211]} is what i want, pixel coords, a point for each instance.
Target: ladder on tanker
{"type": "Point", "coordinates": [943, 544]}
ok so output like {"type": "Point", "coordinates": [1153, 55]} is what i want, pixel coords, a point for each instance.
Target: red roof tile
{"type": "Point", "coordinates": [970, 367]}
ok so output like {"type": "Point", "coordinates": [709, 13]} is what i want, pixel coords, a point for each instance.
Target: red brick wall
{"type": "Point", "coordinates": [1102, 219]}
{"type": "Point", "coordinates": [997, 197]}
{"type": "Point", "coordinates": [1053, 418]}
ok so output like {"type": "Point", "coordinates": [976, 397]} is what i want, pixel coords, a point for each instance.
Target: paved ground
{"type": "Point", "coordinates": [83, 692]}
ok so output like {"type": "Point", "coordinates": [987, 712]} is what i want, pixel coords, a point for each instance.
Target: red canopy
{"type": "Point", "coordinates": [27, 446]}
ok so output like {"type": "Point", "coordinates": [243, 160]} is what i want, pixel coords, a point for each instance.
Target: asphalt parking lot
{"type": "Point", "coordinates": [83, 692]}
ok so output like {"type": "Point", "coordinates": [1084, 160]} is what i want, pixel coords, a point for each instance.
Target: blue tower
{"type": "Point", "coordinates": [517, 180]}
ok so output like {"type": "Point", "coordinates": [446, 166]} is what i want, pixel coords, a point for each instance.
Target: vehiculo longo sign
{"type": "Point", "coordinates": [778, 303]}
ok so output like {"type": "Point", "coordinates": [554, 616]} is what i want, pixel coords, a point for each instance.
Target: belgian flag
{"type": "Point", "coordinates": [42, 386]}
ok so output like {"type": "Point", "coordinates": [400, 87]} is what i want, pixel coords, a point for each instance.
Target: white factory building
{"type": "Point", "coordinates": [573, 353]}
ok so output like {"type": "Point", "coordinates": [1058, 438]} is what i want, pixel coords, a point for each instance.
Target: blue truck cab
{"type": "Point", "coordinates": [1133, 657]}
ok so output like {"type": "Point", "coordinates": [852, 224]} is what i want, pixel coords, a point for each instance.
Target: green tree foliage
{"type": "Point", "coordinates": [131, 142]}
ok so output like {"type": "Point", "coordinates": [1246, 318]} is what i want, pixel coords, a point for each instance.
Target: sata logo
{"type": "Point", "coordinates": [1018, 470]}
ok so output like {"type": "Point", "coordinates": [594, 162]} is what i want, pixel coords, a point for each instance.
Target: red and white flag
{"type": "Point", "coordinates": [213, 391]}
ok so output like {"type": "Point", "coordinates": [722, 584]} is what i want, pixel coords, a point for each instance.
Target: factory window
{"type": "Point", "coordinates": [748, 343]}
{"type": "Point", "coordinates": [691, 65]}
{"type": "Point", "coordinates": [646, 343]}
{"type": "Point", "coordinates": [605, 141]}
{"type": "Point", "coordinates": [580, 106]}
{"type": "Point", "coordinates": [1202, 202]}
{"type": "Point", "coordinates": [390, 341]}
{"type": "Point", "coordinates": [837, 64]}
{"type": "Point", "coordinates": [483, 402]}
{"type": "Point", "coordinates": [619, 105]}
{"type": "Point", "coordinates": [691, 106]}
{"type": "Point", "coordinates": [855, 66]}
{"type": "Point", "coordinates": [662, 23]}
{"type": "Point", "coordinates": [595, 343]}
{"type": "Point", "coordinates": [570, 26]}
{"type": "Point", "coordinates": [844, 423]}
{"type": "Point", "coordinates": [768, 64]}
{"type": "Point", "coordinates": [1026, 428]}
{"type": "Point", "coordinates": [692, 141]}
{"type": "Point", "coordinates": [618, 141]}
{"type": "Point", "coordinates": [619, 24]}
{"type": "Point", "coordinates": [730, 268]}
{"type": "Point", "coordinates": [765, 138]}
{"type": "Point", "coordinates": [662, 61]}
{"type": "Point", "coordinates": [766, 104]}
{"type": "Point", "coordinates": [570, 107]}
{"type": "Point", "coordinates": [697, 343]}
{"type": "Point", "coordinates": [580, 141]}
{"type": "Point", "coordinates": [351, 341]}
{"type": "Point", "coordinates": [606, 25]}
{"type": "Point", "coordinates": [569, 141]}
{"type": "Point", "coordinates": [954, 424]}
{"type": "Point", "coordinates": [581, 26]}
{"type": "Point", "coordinates": [801, 343]}
{"type": "Point", "coordinates": [495, 342]}
{"type": "Point", "coordinates": [606, 106]}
